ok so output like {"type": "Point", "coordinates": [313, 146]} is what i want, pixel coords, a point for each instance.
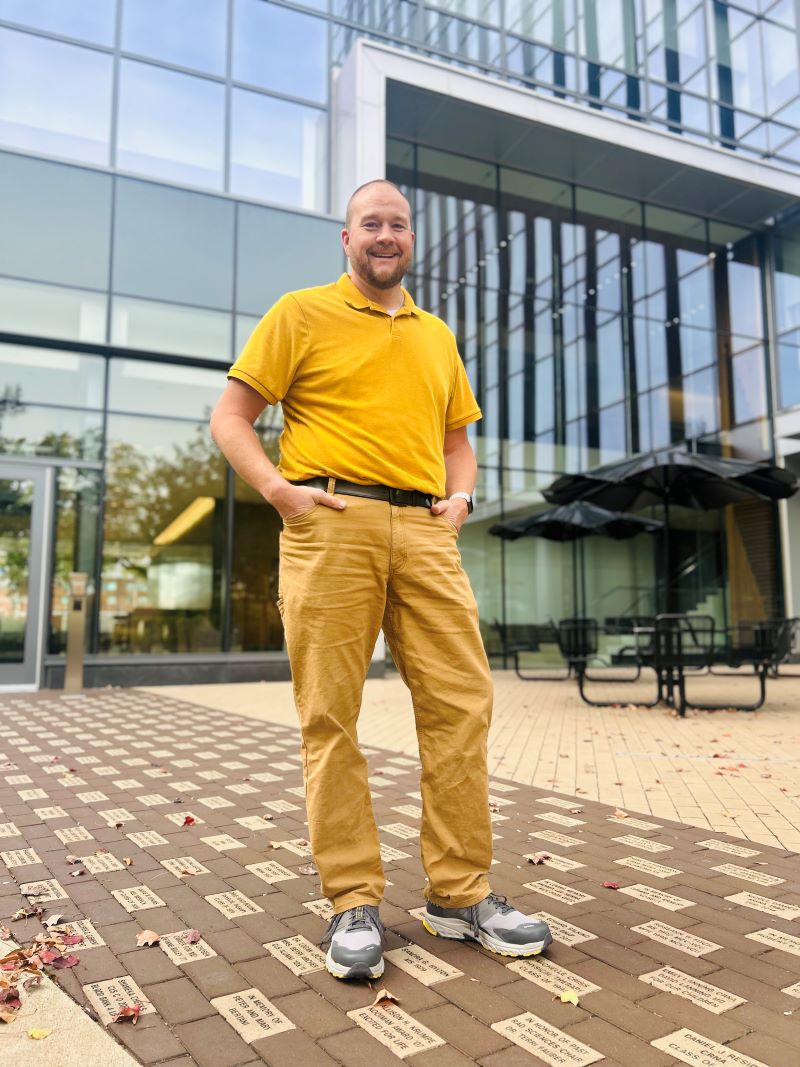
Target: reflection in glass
{"type": "Point", "coordinates": [16, 508]}
{"type": "Point", "coordinates": [30, 430]}
{"type": "Point", "coordinates": [749, 385]}
{"type": "Point", "coordinates": [90, 20]}
{"type": "Point", "coordinates": [150, 388]}
{"type": "Point", "coordinates": [52, 311]}
{"type": "Point", "coordinates": [77, 504]}
{"type": "Point", "coordinates": [277, 151]}
{"type": "Point", "coordinates": [51, 377]}
{"type": "Point", "coordinates": [700, 403]}
{"type": "Point", "coordinates": [184, 331]}
{"type": "Point", "coordinates": [153, 28]}
{"type": "Point", "coordinates": [55, 98]}
{"type": "Point", "coordinates": [255, 619]}
{"type": "Point", "coordinates": [163, 538]}
{"type": "Point", "coordinates": [170, 125]}
{"type": "Point", "coordinates": [281, 50]}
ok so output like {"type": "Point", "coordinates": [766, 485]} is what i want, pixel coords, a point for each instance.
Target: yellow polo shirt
{"type": "Point", "coordinates": [367, 396]}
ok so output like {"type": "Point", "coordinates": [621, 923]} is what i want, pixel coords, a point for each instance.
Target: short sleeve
{"type": "Point", "coordinates": [269, 361]}
{"type": "Point", "coordinates": [463, 407]}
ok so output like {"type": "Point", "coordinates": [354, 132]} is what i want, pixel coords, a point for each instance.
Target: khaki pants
{"type": "Point", "coordinates": [344, 575]}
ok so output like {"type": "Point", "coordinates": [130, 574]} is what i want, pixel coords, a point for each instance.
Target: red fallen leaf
{"type": "Point", "coordinates": [742, 764]}
{"type": "Point", "coordinates": [71, 939]}
{"type": "Point", "coordinates": [7, 996]}
{"type": "Point", "coordinates": [65, 961]}
{"type": "Point", "coordinates": [610, 885]}
{"type": "Point", "coordinates": [186, 874]}
{"type": "Point", "coordinates": [189, 820]}
{"type": "Point", "coordinates": [193, 936]}
{"type": "Point", "coordinates": [147, 937]}
{"type": "Point", "coordinates": [33, 980]}
{"type": "Point", "coordinates": [47, 955]}
{"type": "Point", "coordinates": [127, 1013]}
{"type": "Point", "coordinates": [539, 857]}
{"type": "Point", "coordinates": [620, 814]}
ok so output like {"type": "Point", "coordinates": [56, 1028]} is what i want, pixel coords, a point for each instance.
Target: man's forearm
{"type": "Point", "coordinates": [240, 444]}
{"type": "Point", "coordinates": [461, 470]}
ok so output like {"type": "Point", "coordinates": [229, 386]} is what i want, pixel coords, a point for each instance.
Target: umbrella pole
{"type": "Point", "coordinates": [666, 554]}
{"type": "Point", "coordinates": [575, 611]}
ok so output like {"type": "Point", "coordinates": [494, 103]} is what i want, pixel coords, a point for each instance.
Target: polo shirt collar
{"type": "Point", "coordinates": [353, 296]}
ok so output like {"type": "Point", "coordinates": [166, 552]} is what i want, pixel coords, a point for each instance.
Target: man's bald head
{"type": "Point", "coordinates": [353, 201]}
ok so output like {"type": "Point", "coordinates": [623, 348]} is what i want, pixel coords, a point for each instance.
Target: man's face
{"type": "Point", "coordinates": [379, 240]}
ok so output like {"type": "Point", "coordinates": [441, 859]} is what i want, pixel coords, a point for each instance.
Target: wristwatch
{"type": "Point", "coordinates": [464, 496]}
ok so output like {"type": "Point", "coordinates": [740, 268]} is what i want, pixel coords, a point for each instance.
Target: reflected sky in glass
{"type": "Point", "coordinates": [280, 50]}
{"type": "Point", "coordinates": [90, 20]}
{"type": "Point", "coordinates": [277, 151]}
{"type": "Point", "coordinates": [189, 33]}
{"type": "Point", "coordinates": [170, 125]}
{"type": "Point", "coordinates": [54, 98]}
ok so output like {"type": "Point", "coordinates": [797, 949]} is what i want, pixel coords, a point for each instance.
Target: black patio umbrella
{"type": "Point", "coordinates": [673, 476]}
{"type": "Point", "coordinates": [571, 522]}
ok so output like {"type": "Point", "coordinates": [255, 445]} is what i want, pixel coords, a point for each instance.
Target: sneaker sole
{"type": "Point", "coordinates": [358, 970]}
{"type": "Point", "coordinates": [458, 930]}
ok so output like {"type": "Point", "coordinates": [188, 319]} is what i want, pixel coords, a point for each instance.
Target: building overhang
{"type": "Point", "coordinates": [382, 92]}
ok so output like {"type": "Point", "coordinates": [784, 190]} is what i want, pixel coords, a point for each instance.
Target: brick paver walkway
{"type": "Point", "coordinates": [694, 958]}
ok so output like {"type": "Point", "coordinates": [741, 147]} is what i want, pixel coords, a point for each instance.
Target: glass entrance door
{"type": "Point", "coordinates": [25, 508]}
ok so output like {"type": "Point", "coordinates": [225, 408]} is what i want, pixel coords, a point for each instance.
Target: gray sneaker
{"type": "Point", "coordinates": [494, 923]}
{"type": "Point", "coordinates": [356, 943]}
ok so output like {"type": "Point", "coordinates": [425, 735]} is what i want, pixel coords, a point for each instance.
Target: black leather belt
{"type": "Point", "coordinates": [401, 498]}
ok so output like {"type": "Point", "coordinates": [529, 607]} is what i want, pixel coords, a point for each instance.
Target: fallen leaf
{"type": "Point", "coordinates": [8, 1013]}
{"type": "Point", "coordinates": [38, 1035]}
{"type": "Point", "coordinates": [576, 811]}
{"type": "Point", "coordinates": [307, 868]}
{"type": "Point", "coordinates": [192, 936]}
{"type": "Point", "coordinates": [147, 937]}
{"type": "Point", "coordinates": [620, 814]}
{"type": "Point", "coordinates": [71, 939]}
{"type": "Point", "coordinates": [186, 874]}
{"type": "Point", "coordinates": [382, 997]}
{"type": "Point", "coordinates": [74, 859]}
{"type": "Point", "coordinates": [101, 852]}
{"type": "Point", "coordinates": [5, 933]}
{"type": "Point", "coordinates": [47, 955]}
{"type": "Point", "coordinates": [126, 1013]}
{"type": "Point", "coordinates": [189, 820]}
{"type": "Point", "coordinates": [127, 861]}
{"type": "Point", "coordinates": [33, 980]}
{"type": "Point", "coordinates": [52, 920]}
{"type": "Point", "coordinates": [117, 825]}
{"type": "Point", "coordinates": [569, 996]}
{"type": "Point", "coordinates": [539, 857]}
{"type": "Point", "coordinates": [610, 885]}
{"type": "Point", "coordinates": [27, 913]}
{"type": "Point", "coordinates": [65, 961]}
{"type": "Point", "coordinates": [77, 874]}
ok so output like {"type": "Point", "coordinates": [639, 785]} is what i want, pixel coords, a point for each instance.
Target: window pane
{"type": "Point", "coordinates": [27, 430]}
{"type": "Point", "coordinates": [50, 311]}
{"type": "Point", "coordinates": [69, 211]}
{"type": "Point", "coordinates": [170, 125]}
{"type": "Point", "coordinates": [54, 98]}
{"type": "Point", "coordinates": [51, 377]}
{"type": "Point", "coordinates": [158, 29]}
{"type": "Point", "coordinates": [281, 50]}
{"type": "Point", "coordinates": [277, 151]}
{"type": "Point", "coordinates": [789, 374]}
{"type": "Point", "coordinates": [749, 385]}
{"type": "Point", "coordinates": [164, 538]}
{"type": "Point", "coordinates": [700, 403]}
{"type": "Point", "coordinates": [170, 328]}
{"type": "Point", "coordinates": [91, 20]}
{"type": "Point", "coordinates": [255, 620]}
{"type": "Point", "coordinates": [783, 80]}
{"type": "Point", "coordinates": [77, 503]}
{"type": "Point", "coordinates": [171, 244]}
{"type": "Point", "coordinates": [138, 385]}
{"type": "Point", "coordinates": [278, 252]}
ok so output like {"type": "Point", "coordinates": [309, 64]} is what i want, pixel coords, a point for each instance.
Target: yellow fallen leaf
{"type": "Point", "coordinates": [37, 1035]}
{"type": "Point", "coordinates": [569, 996]}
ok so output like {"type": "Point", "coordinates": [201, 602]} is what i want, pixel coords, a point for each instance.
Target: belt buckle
{"type": "Point", "coordinates": [396, 498]}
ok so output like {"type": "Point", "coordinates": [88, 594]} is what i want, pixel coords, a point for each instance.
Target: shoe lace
{"type": "Point", "coordinates": [362, 917]}
{"type": "Point", "coordinates": [499, 903]}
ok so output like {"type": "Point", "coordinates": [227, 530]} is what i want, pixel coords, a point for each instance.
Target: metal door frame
{"type": "Point", "coordinates": [28, 674]}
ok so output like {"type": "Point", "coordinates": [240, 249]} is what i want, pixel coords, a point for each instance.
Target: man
{"type": "Point", "coordinates": [375, 480]}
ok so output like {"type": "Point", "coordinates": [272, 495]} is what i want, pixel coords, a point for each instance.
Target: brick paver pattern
{"type": "Point", "coordinates": [689, 953]}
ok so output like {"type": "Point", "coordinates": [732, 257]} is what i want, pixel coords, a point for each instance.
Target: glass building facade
{"type": "Point", "coordinates": [167, 170]}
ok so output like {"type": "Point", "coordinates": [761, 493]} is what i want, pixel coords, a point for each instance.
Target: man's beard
{"type": "Point", "coordinates": [365, 269]}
